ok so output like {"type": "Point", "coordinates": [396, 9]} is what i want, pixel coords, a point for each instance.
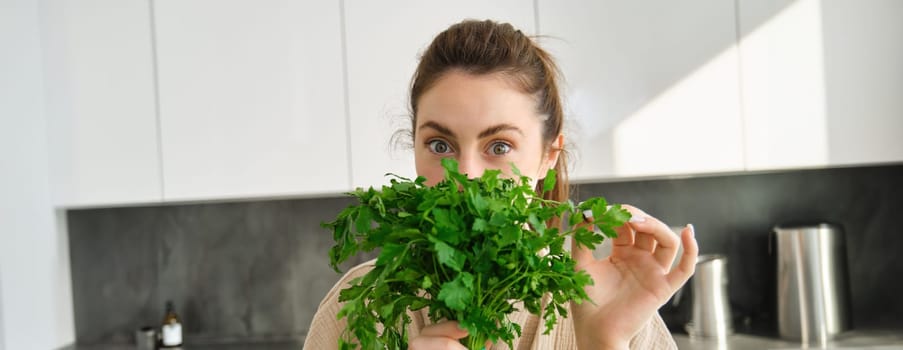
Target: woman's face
{"type": "Point", "coordinates": [484, 122]}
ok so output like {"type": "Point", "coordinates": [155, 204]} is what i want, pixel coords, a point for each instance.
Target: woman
{"type": "Point", "coordinates": [487, 95]}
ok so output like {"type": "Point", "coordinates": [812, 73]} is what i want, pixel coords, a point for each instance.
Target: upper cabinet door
{"type": "Point", "coordinates": [251, 98]}
{"type": "Point", "coordinates": [384, 42]}
{"type": "Point", "coordinates": [821, 82]}
{"type": "Point", "coordinates": [863, 45]}
{"type": "Point", "coordinates": [652, 86]}
{"type": "Point", "coordinates": [101, 114]}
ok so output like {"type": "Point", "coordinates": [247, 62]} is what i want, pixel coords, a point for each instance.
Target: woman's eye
{"type": "Point", "coordinates": [499, 148]}
{"type": "Point", "coordinates": [439, 147]}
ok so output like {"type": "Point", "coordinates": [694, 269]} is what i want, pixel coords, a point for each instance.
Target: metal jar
{"type": "Point", "coordinates": [813, 302]}
{"type": "Point", "coordinates": [711, 316]}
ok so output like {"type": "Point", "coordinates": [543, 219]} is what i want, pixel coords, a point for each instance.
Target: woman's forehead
{"type": "Point", "coordinates": [467, 101]}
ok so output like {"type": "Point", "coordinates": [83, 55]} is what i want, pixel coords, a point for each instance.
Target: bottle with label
{"type": "Point", "coordinates": [171, 331]}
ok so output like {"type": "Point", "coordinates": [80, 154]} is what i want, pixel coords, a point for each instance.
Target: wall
{"type": "Point", "coordinates": [258, 269]}
{"type": "Point", "coordinates": [35, 300]}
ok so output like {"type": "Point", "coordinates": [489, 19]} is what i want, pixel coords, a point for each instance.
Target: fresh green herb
{"type": "Point", "coordinates": [467, 249]}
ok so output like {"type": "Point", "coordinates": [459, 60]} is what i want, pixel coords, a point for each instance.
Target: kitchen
{"type": "Point", "coordinates": [160, 150]}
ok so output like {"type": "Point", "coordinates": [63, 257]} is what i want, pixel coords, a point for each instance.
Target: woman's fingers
{"type": "Point", "coordinates": [666, 242]}
{"type": "Point", "coordinates": [581, 254]}
{"type": "Point", "coordinates": [645, 241]}
{"type": "Point", "coordinates": [449, 329]}
{"type": "Point", "coordinates": [687, 265]}
{"type": "Point", "coordinates": [442, 335]}
{"type": "Point", "coordinates": [625, 235]}
{"type": "Point", "coordinates": [651, 235]}
{"type": "Point", "coordinates": [430, 343]}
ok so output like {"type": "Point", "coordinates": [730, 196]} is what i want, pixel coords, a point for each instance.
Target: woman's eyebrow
{"type": "Point", "coordinates": [436, 126]}
{"type": "Point", "coordinates": [492, 130]}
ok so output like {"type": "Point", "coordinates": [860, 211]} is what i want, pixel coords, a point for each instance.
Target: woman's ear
{"type": "Point", "coordinates": [554, 151]}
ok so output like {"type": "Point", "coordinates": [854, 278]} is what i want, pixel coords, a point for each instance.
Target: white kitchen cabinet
{"type": "Point", "coordinates": [384, 42]}
{"type": "Point", "coordinates": [251, 98]}
{"type": "Point", "coordinates": [821, 82]}
{"type": "Point", "coordinates": [100, 104]}
{"type": "Point", "coordinates": [651, 87]}
{"type": "Point", "coordinates": [863, 48]}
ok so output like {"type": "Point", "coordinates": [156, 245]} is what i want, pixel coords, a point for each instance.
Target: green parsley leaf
{"type": "Point", "coordinates": [458, 293]}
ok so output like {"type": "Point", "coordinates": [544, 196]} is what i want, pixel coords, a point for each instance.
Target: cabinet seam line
{"type": "Point", "coordinates": [155, 296]}
{"type": "Point", "coordinates": [741, 98]}
{"type": "Point", "coordinates": [536, 18]}
{"type": "Point", "coordinates": [156, 76]}
{"type": "Point", "coordinates": [345, 91]}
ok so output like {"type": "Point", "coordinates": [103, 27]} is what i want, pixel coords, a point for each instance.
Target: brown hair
{"type": "Point", "coordinates": [487, 47]}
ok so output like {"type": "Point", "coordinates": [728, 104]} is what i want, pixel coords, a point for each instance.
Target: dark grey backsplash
{"type": "Point", "coordinates": [258, 270]}
{"type": "Point", "coordinates": [239, 271]}
{"type": "Point", "coordinates": [734, 215]}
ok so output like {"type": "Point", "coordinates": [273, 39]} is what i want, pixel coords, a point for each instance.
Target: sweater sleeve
{"type": "Point", "coordinates": [654, 335]}
{"type": "Point", "coordinates": [325, 330]}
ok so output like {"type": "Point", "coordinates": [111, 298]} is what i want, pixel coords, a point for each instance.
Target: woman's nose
{"type": "Point", "coordinates": [470, 165]}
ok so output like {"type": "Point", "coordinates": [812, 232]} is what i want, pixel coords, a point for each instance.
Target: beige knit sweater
{"type": "Point", "coordinates": [325, 329]}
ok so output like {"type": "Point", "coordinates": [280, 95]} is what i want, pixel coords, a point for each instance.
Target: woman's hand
{"type": "Point", "coordinates": [440, 336]}
{"type": "Point", "coordinates": [633, 282]}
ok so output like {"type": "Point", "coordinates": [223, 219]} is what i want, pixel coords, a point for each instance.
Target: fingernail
{"type": "Point", "coordinates": [637, 218]}
{"type": "Point", "coordinates": [588, 214]}
{"type": "Point", "coordinates": [692, 230]}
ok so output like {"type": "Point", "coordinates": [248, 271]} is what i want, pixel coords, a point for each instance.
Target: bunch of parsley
{"type": "Point", "coordinates": [467, 249]}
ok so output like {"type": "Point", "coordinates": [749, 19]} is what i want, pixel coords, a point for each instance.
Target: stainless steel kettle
{"type": "Point", "coordinates": [813, 302]}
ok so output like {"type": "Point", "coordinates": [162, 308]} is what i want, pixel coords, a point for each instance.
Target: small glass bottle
{"type": "Point", "coordinates": [171, 330]}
